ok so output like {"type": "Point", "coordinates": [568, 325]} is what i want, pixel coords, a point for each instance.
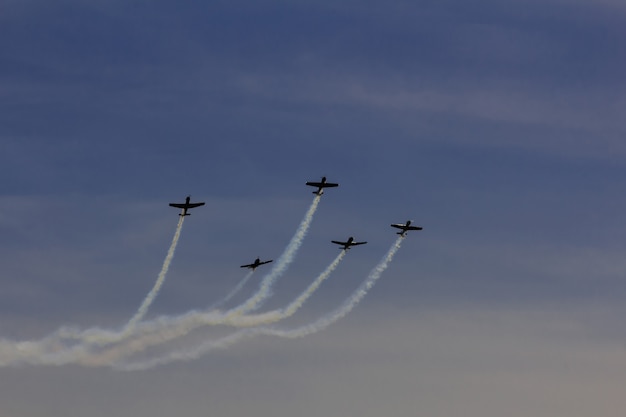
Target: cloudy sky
{"type": "Point", "coordinates": [497, 126]}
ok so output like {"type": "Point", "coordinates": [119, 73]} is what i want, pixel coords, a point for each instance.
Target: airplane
{"type": "Point", "coordinates": [257, 262]}
{"type": "Point", "coordinates": [186, 206]}
{"type": "Point", "coordinates": [405, 227]}
{"type": "Point", "coordinates": [348, 244]}
{"type": "Point", "coordinates": [321, 185]}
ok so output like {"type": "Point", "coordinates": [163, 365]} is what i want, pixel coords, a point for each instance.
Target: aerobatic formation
{"type": "Point", "coordinates": [127, 347]}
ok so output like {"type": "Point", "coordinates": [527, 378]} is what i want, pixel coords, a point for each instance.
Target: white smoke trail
{"type": "Point", "coordinates": [291, 308]}
{"type": "Point", "coordinates": [145, 305]}
{"type": "Point", "coordinates": [170, 328]}
{"type": "Point", "coordinates": [99, 336]}
{"type": "Point", "coordinates": [281, 264]}
{"type": "Point", "coordinates": [53, 351]}
{"type": "Point", "coordinates": [234, 292]}
{"type": "Point", "coordinates": [298, 332]}
{"type": "Point", "coordinates": [252, 303]}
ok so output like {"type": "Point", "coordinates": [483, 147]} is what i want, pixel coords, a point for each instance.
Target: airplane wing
{"type": "Point", "coordinates": [358, 243]}
{"type": "Point", "coordinates": [339, 243]}
{"type": "Point", "coordinates": [322, 184]}
{"type": "Point", "coordinates": [247, 266]}
{"type": "Point", "coordinates": [405, 227]}
{"type": "Point", "coordinates": [185, 205]}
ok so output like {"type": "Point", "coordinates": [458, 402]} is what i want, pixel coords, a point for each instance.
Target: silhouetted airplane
{"type": "Point", "coordinates": [405, 227]}
{"type": "Point", "coordinates": [348, 244]}
{"type": "Point", "coordinates": [257, 262]}
{"type": "Point", "coordinates": [321, 185]}
{"type": "Point", "coordinates": [186, 206]}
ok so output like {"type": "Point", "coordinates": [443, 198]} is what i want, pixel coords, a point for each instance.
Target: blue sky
{"type": "Point", "coordinates": [498, 127]}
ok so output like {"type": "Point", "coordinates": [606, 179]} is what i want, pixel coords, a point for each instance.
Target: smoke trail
{"type": "Point", "coordinates": [348, 304]}
{"type": "Point", "coordinates": [166, 329]}
{"type": "Point", "coordinates": [291, 308]}
{"type": "Point", "coordinates": [281, 264]}
{"type": "Point", "coordinates": [197, 318]}
{"type": "Point", "coordinates": [235, 290]}
{"type": "Point", "coordinates": [99, 336]}
{"type": "Point", "coordinates": [51, 350]}
{"type": "Point", "coordinates": [298, 332]}
{"type": "Point", "coordinates": [145, 305]}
